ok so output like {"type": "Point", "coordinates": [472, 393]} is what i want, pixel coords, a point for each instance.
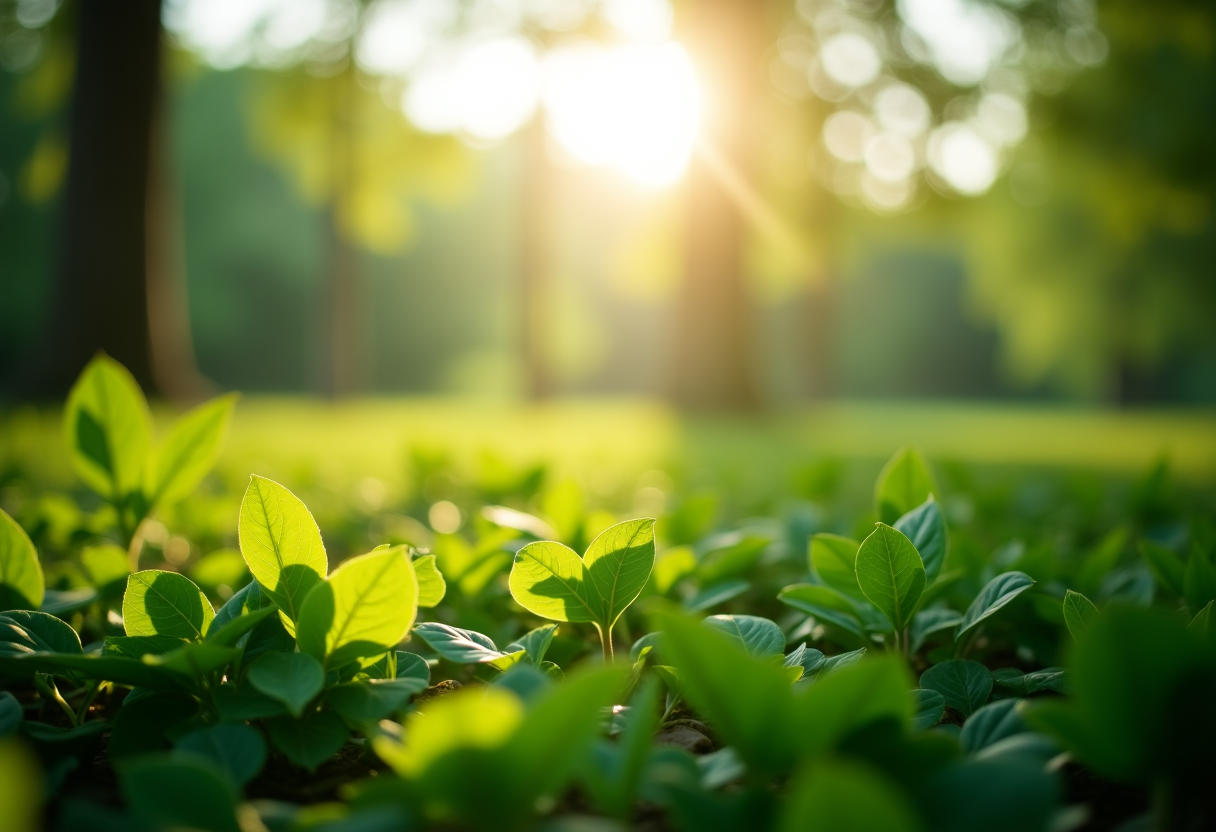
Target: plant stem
{"type": "Point", "coordinates": [83, 710]}
{"type": "Point", "coordinates": [606, 643]}
{"type": "Point", "coordinates": [46, 686]}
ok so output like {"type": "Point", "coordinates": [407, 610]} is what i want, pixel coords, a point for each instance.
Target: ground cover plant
{"type": "Point", "coordinates": [947, 658]}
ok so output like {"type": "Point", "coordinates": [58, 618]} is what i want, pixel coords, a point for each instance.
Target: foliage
{"type": "Point", "coordinates": [781, 676]}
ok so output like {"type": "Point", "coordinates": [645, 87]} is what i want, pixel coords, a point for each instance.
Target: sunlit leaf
{"type": "Point", "coordinates": [890, 573]}
{"type": "Point", "coordinates": [21, 584]}
{"type": "Point", "coordinates": [188, 452]}
{"type": "Point", "coordinates": [431, 585]}
{"type": "Point", "coordinates": [108, 428]}
{"type": "Point", "coordinates": [165, 603]}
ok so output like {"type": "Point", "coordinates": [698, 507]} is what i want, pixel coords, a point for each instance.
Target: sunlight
{"type": "Point", "coordinates": [634, 108]}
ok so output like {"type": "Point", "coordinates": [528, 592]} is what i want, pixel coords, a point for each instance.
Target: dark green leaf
{"type": "Point", "coordinates": [142, 726]}
{"type": "Point", "coordinates": [1168, 569]}
{"type": "Point", "coordinates": [834, 560]}
{"type": "Point", "coordinates": [927, 622]}
{"type": "Point", "coordinates": [11, 714]}
{"type": "Point", "coordinates": [237, 749]}
{"type": "Point", "coordinates": [966, 685]}
{"type": "Point", "coordinates": [928, 708]}
{"type": "Point", "coordinates": [370, 701]}
{"type": "Point", "coordinates": [711, 596]}
{"type": "Point", "coordinates": [992, 723]}
{"type": "Point", "coordinates": [24, 631]}
{"type": "Point", "coordinates": [1000, 795]}
{"type": "Point", "coordinates": [903, 484]}
{"type": "Point", "coordinates": [238, 704]}
{"type": "Point", "coordinates": [180, 793]}
{"type": "Point", "coordinates": [824, 604]}
{"type": "Point", "coordinates": [996, 593]}
{"type": "Point", "coordinates": [890, 573]}
{"type": "Point", "coordinates": [310, 741]}
{"type": "Point", "coordinates": [1024, 684]}
{"type": "Point", "coordinates": [758, 636]}
{"type": "Point", "coordinates": [925, 526]}
{"type": "Point", "coordinates": [1079, 612]}
{"type": "Point", "coordinates": [1200, 582]}
{"type": "Point", "coordinates": [845, 797]}
{"type": "Point", "coordinates": [292, 678]}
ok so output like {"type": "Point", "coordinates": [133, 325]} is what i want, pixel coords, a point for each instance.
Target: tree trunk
{"type": "Point", "coordinates": [715, 350]}
{"type": "Point", "coordinates": [534, 261]}
{"type": "Point", "coordinates": [99, 298]}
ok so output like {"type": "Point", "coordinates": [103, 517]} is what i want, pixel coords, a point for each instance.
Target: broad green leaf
{"type": "Point", "coordinates": [927, 622]}
{"type": "Point", "coordinates": [412, 670]}
{"type": "Point", "coordinates": [925, 526]}
{"type": "Point", "coordinates": [809, 659]}
{"type": "Point", "coordinates": [841, 660]}
{"type": "Point", "coordinates": [1168, 569]}
{"type": "Point", "coordinates": [188, 452]}
{"type": "Point", "coordinates": [834, 560]}
{"type": "Point", "coordinates": [230, 633]}
{"type": "Point", "coordinates": [175, 792]}
{"type": "Point", "coordinates": [845, 797]}
{"type": "Point", "coordinates": [1037, 681]}
{"type": "Point", "coordinates": [965, 684]}
{"type": "Point", "coordinates": [244, 702]}
{"type": "Point", "coordinates": [237, 749]}
{"type": "Point", "coordinates": [21, 585]}
{"type": "Point", "coordinates": [465, 646]}
{"type": "Point", "coordinates": [850, 697]}
{"type": "Point", "coordinates": [106, 565]}
{"type": "Point", "coordinates": [1079, 611]}
{"type": "Point", "coordinates": [1200, 582]}
{"type": "Point", "coordinates": [1202, 622]}
{"type": "Point", "coordinates": [292, 678]}
{"type": "Point", "coordinates": [479, 718]}
{"type": "Point", "coordinates": [142, 726]}
{"type": "Point", "coordinates": [550, 580]}
{"type": "Point", "coordinates": [618, 564]}
{"type": "Point", "coordinates": [282, 545]}
{"type": "Point", "coordinates": [363, 609]}
{"type": "Point", "coordinates": [928, 706]}
{"type": "Point", "coordinates": [535, 643]}
{"type": "Point", "coordinates": [992, 723]}
{"type": "Point", "coordinates": [903, 484]}
{"type": "Point", "coordinates": [11, 715]}
{"type": "Point", "coordinates": [165, 603]}
{"type": "Point", "coordinates": [193, 659]}
{"type": "Point", "coordinates": [248, 598]}
{"type": "Point", "coordinates": [431, 586]}
{"type": "Point", "coordinates": [108, 428]}
{"type": "Point", "coordinates": [368, 701]}
{"type": "Point", "coordinates": [825, 604]}
{"type": "Point", "coordinates": [118, 669]}
{"type": "Point", "coordinates": [996, 593]}
{"type": "Point", "coordinates": [890, 573]}
{"type": "Point", "coordinates": [759, 637]}
{"type": "Point", "coordinates": [136, 647]}
{"type": "Point", "coordinates": [25, 631]}
{"type": "Point", "coordinates": [1012, 794]}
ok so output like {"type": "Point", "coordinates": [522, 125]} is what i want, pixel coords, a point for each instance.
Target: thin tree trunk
{"type": "Point", "coordinates": [715, 345]}
{"type": "Point", "coordinates": [534, 261]}
{"type": "Point", "coordinates": [99, 299]}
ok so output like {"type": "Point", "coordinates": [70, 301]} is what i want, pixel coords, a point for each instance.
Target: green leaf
{"type": "Point", "coordinates": [996, 593]}
{"type": "Point", "coordinates": [825, 604]}
{"type": "Point", "coordinates": [431, 586]}
{"type": "Point", "coordinates": [834, 560]}
{"type": "Point", "coordinates": [136, 647]}
{"type": "Point", "coordinates": [363, 609]}
{"type": "Point", "coordinates": [550, 580]}
{"type": "Point", "coordinates": [1079, 611]}
{"type": "Point", "coordinates": [188, 452]}
{"type": "Point", "coordinates": [248, 598]}
{"type": "Point", "coordinates": [890, 573]}
{"type": "Point", "coordinates": [412, 670]}
{"type": "Point", "coordinates": [118, 669]}
{"type": "Point", "coordinates": [195, 660]}
{"type": "Point", "coordinates": [711, 596]}
{"type": "Point", "coordinates": [535, 643]}
{"type": "Point", "coordinates": [1037, 681]}
{"type": "Point", "coordinates": [11, 715]}
{"type": "Point", "coordinates": [461, 646]}
{"type": "Point", "coordinates": [368, 701]}
{"type": "Point", "coordinates": [25, 631]}
{"type": "Point", "coordinates": [808, 659]}
{"type": "Point", "coordinates": [1202, 622]}
{"type": "Point", "coordinates": [925, 526]}
{"type": "Point", "coordinates": [1168, 569]}
{"type": "Point", "coordinates": [992, 723]}
{"type": "Point", "coordinates": [1012, 794]}
{"type": "Point", "coordinates": [903, 484]}
{"type": "Point", "coordinates": [237, 749]}
{"type": "Point", "coordinates": [845, 797]}
{"type": "Point", "coordinates": [759, 637]}
{"type": "Point", "coordinates": [928, 706]}
{"type": "Point", "coordinates": [281, 544]}
{"type": "Point", "coordinates": [927, 622]}
{"type": "Point", "coordinates": [848, 698]}
{"type": "Point", "coordinates": [106, 565]}
{"type": "Point", "coordinates": [21, 585]}
{"type": "Point", "coordinates": [108, 428]}
{"type": "Point", "coordinates": [63, 602]}
{"type": "Point", "coordinates": [180, 793]}
{"type": "Point", "coordinates": [965, 684]}
{"type": "Point", "coordinates": [1200, 582]}
{"type": "Point", "coordinates": [840, 660]}
{"type": "Point", "coordinates": [241, 703]}
{"type": "Point", "coordinates": [292, 678]}
{"type": "Point", "coordinates": [165, 603]}
{"type": "Point", "coordinates": [231, 632]}
{"type": "Point", "coordinates": [142, 726]}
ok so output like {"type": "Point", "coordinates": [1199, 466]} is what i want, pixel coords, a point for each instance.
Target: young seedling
{"type": "Point", "coordinates": [550, 580]}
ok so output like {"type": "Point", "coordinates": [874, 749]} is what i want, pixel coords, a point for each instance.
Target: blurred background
{"type": "Point", "coordinates": [726, 205]}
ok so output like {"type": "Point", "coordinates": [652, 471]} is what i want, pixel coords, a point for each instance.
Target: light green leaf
{"type": "Point", "coordinates": [825, 604]}
{"type": "Point", "coordinates": [188, 452]}
{"type": "Point", "coordinates": [758, 636]}
{"type": "Point", "coordinates": [310, 741]}
{"type": "Point", "coordinates": [292, 678]}
{"type": "Point", "coordinates": [363, 609]}
{"type": "Point", "coordinates": [618, 564]}
{"type": "Point", "coordinates": [179, 792]}
{"type": "Point", "coordinates": [928, 706]}
{"type": "Point", "coordinates": [550, 580]}
{"type": "Point", "coordinates": [21, 585]}
{"type": "Point", "coordinates": [535, 643]}
{"type": "Point", "coordinates": [165, 603]}
{"type": "Point", "coordinates": [965, 684]}
{"type": "Point", "coordinates": [890, 573]}
{"type": "Point", "coordinates": [1078, 612]}
{"type": "Point", "coordinates": [431, 585]}
{"type": "Point", "coordinates": [845, 797]}
{"type": "Point", "coordinates": [108, 428]}
{"type": "Point", "coordinates": [996, 593]}
{"type": "Point", "coordinates": [106, 565]}
{"type": "Point", "coordinates": [925, 526]}
{"type": "Point", "coordinates": [281, 544]}
{"type": "Point", "coordinates": [237, 749]}
{"type": "Point", "coordinates": [903, 484]}
{"type": "Point", "coordinates": [834, 560]}
{"type": "Point", "coordinates": [464, 646]}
